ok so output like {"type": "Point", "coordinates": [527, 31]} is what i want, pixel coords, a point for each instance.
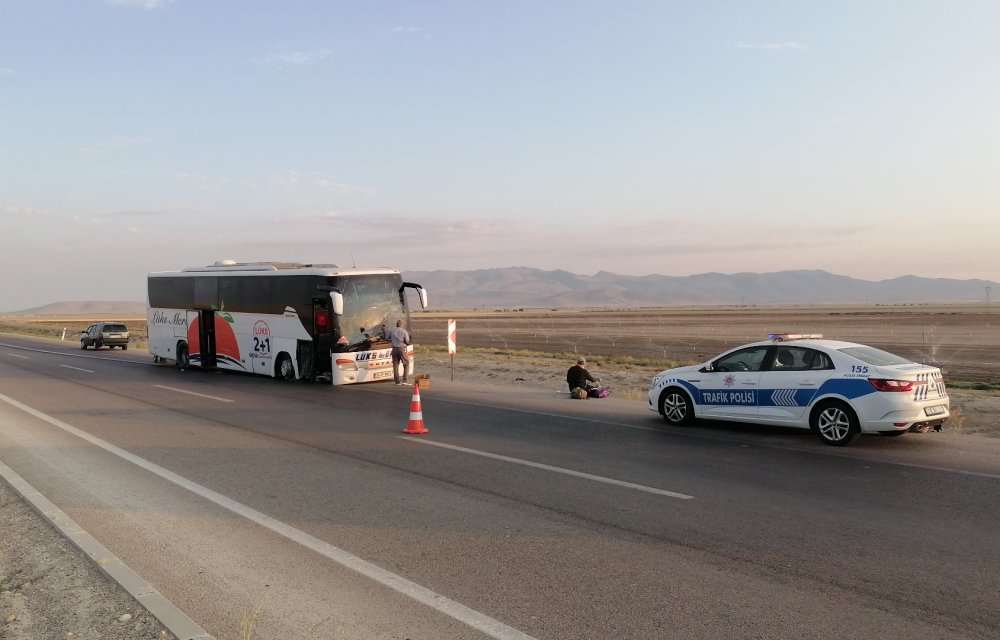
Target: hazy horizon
{"type": "Point", "coordinates": [532, 288]}
{"type": "Point", "coordinates": [636, 137]}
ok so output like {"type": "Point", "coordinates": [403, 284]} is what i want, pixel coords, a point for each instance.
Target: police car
{"type": "Point", "coordinates": [837, 389]}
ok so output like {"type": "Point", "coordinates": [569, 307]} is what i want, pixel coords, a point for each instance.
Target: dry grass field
{"type": "Point", "coordinates": [53, 326]}
{"type": "Point", "coordinates": [963, 340]}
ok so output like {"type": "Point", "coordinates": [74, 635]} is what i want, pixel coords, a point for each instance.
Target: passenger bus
{"type": "Point", "coordinates": [285, 320]}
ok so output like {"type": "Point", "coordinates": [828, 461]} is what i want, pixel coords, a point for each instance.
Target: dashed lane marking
{"type": "Point", "coordinates": [192, 393]}
{"type": "Point", "coordinates": [546, 467]}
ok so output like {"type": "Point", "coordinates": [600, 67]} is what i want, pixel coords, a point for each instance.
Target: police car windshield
{"type": "Point", "coordinates": [874, 356]}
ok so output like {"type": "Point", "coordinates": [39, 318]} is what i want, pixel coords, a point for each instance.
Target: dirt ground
{"type": "Point", "coordinates": [963, 340]}
{"type": "Point", "coordinates": [50, 590]}
{"type": "Point", "coordinates": [972, 412]}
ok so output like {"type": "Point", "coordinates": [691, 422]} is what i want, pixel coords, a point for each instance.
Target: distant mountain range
{"type": "Point", "coordinates": [126, 309]}
{"type": "Point", "coordinates": [534, 288]}
{"type": "Point", "coordinates": [516, 287]}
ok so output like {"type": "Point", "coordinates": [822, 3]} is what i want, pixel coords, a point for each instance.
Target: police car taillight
{"type": "Point", "coordinates": [884, 384]}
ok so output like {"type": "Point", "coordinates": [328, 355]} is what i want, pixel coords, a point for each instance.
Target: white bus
{"type": "Point", "coordinates": [284, 320]}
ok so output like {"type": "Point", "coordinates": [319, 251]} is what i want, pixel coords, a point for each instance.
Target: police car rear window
{"type": "Point", "coordinates": [874, 356]}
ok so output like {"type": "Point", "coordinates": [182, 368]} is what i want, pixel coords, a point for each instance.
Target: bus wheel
{"type": "Point", "coordinates": [284, 370]}
{"type": "Point", "coordinates": [182, 356]}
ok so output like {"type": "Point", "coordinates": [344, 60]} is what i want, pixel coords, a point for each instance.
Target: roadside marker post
{"type": "Point", "coordinates": [452, 346]}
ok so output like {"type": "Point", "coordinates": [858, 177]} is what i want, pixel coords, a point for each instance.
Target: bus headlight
{"type": "Point", "coordinates": [347, 364]}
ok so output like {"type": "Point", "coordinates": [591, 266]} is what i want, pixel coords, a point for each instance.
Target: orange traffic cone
{"type": "Point", "coordinates": [416, 424]}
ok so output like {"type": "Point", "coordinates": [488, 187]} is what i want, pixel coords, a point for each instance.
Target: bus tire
{"type": "Point", "coordinates": [283, 369]}
{"type": "Point", "coordinates": [182, 361]}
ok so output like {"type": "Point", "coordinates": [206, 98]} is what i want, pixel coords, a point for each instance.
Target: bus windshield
{"type": "Point", "coordinates": [372, 305]}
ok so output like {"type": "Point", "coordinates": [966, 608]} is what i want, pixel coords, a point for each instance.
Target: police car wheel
{"type": "Point", "coordinates": [835, 423]}
{"type": "Point", "coordinates": [676, 407]}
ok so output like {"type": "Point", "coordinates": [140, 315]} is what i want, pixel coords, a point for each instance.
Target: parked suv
{"type": "Point", "coordinates": [105, 334]}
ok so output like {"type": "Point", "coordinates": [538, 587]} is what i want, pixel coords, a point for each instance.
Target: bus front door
{"type": "Point", "coordinates": [207, 338]}
{"type": "Point", "coordinates": [201, 337]}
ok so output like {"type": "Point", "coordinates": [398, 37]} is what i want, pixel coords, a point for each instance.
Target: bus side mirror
{"type": "Point", "coordinates": [420, 291]}
{"type": "Point", "coordinates": [337, 300]}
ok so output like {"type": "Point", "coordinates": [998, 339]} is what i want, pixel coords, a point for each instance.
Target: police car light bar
{"type": "Point", "coordinates": [778, 337]}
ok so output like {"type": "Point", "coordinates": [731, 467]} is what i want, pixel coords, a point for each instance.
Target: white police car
{"type": "Point", "coordinates": [837, 389]}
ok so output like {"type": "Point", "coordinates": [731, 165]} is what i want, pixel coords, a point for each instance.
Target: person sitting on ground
{"type": "Point", "coordinates": [580, 380]}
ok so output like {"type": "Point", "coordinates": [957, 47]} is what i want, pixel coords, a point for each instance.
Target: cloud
{"type": "Point", "coordinates": [406, 29]}
{"type": "Point", "coordinates": [118, 144]}
{"type": "Point", "coordinates": [294, 182]}
{"type": "Point", "coordinates": [294, 58]}
{"type": "Point", "coordinates": [130, 215]}
{"type": "Point", "coordinates": [427, 229]}
{"type": "Point", "coordinates": [773, 46]}
{"type": "Point", "coordinates": [4, 71]}
{"type": "Point", "coordinates": [140, 4]}
{"type": "Point", "coordinates": [17, 210]}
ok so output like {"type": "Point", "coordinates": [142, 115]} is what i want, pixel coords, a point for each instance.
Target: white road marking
{"type": "Point", "coordinates": [76, 368]}
{"type": "Point", "coordinates": [545, 467]}
{"type": "Point", "coordinates": [192, 393]}
{"type": "Point", "coordinates": [470, 617]}
{"type": "Point", "coordinates": [14, 355]}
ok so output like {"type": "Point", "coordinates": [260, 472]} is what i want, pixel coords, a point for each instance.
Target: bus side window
{"type": "Point", "coordinates": [231, 294]}
{"type": "Point", "coordinates": [206, 293]}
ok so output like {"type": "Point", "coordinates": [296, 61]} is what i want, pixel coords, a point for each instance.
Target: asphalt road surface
{"type": "Point", "coordinates": [304, 508]}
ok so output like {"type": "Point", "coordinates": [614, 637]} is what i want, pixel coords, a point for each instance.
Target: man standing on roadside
{"type": "Point", "coordinates": [400, 338]}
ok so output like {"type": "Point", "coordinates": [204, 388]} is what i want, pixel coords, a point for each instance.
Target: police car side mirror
{"type": "Point", "coordinates": [708, 368]}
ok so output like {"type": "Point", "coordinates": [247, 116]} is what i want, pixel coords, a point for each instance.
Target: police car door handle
{"type": "Point", "coordinates": [806, 383]}
{"type": "Point", "coordinates": [751, 383]}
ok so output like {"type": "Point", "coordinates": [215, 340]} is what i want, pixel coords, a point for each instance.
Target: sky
{"type": "Point", "coordinates": [637, 137]}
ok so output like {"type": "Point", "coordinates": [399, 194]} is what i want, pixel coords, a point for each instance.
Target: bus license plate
{"type": "Point", "coordinates": [936, 410]}
{"type": "Point", "coordinates": [377, 375]}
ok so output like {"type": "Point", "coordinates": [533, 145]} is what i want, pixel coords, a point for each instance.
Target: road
{"type": "Point", "coordinates": [304, 508]}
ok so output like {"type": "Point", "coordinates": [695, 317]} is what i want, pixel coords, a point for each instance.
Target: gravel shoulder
{"type": "Point", "coordinates": [50, 589]}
